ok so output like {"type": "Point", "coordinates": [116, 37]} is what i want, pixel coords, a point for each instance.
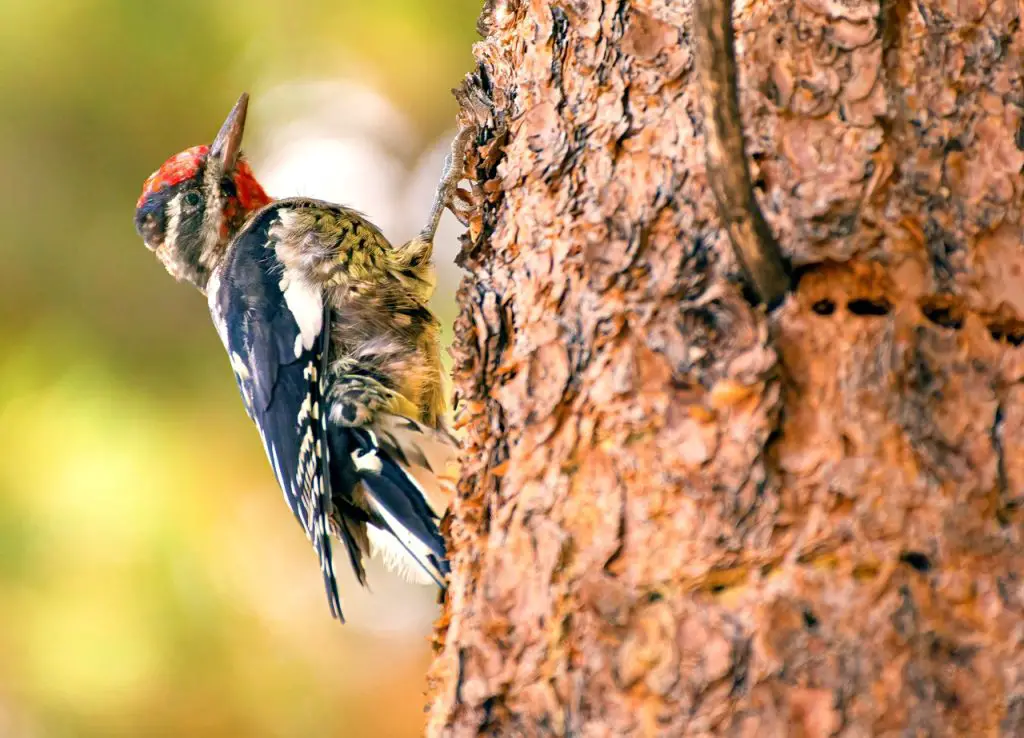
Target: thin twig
{"type": "Point", "coordinates": [728, 173]}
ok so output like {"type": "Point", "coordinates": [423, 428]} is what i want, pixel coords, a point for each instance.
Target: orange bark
{"type": "Point", "coordinates": [680, 515]}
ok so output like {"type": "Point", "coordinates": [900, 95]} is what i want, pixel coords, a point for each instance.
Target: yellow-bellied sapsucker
{"type": "Point", "coordinates": [333, 347]}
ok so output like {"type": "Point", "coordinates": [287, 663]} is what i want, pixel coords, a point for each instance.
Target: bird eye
{"type": "Point", "coordinates": [192, 199]}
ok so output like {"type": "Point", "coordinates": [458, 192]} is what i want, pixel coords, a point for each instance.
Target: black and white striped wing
{"type": "Point", "coordinates": [276, 334]}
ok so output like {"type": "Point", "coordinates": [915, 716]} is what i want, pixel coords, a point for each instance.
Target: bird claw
{"type": "Point", "coordinates": [461, 205]}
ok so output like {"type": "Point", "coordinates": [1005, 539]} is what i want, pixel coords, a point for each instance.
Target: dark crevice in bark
{"type": "Point", "coordinates": [997, 446]}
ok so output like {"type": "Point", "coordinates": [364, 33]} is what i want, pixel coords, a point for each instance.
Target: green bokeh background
{"type": "Point", "coordinates": [152, 582]}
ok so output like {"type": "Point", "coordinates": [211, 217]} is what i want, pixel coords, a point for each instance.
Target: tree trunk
{"type": "Point", "coordinates": [681, 514]}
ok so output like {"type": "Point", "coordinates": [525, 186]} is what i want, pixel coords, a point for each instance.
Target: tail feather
{"type": "Point", "coordinates": [427, 554]}
{"type": "Point", "coordinates": [428, 455]}
{"type": "Point", "coordinates": [349, 526]}
{"type": "Point", "coordinates": [398, 481]}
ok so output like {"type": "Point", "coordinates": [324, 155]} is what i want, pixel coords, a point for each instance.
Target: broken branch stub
{"type": "Point", "coordinates": [728, 173]}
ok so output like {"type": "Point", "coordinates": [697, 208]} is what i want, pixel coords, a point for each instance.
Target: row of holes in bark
{"type": "Point", "coordinates": [940, 313]}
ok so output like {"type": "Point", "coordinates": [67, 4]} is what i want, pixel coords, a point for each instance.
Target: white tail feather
{"type": "Point", "coordinates": [402, 552]}
{"type": "Point", "coordinates": [395, 557]}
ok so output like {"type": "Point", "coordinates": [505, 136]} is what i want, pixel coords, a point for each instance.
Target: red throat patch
{"type": "Point", "coordinates": [176, 169]}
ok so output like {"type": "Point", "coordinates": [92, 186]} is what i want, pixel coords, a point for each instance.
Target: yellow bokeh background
{"type": "Point", "coordinates": [152, 581]}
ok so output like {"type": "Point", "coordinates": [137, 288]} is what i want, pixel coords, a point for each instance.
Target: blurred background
{"type": "Point", "coordinates": [152, 581]}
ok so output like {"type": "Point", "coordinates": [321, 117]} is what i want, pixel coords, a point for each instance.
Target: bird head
{"type": "Point", "coordinates": [193, 205]}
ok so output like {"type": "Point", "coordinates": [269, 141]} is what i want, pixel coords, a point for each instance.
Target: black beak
{"type": "Point", "coordinates": [229, 140]}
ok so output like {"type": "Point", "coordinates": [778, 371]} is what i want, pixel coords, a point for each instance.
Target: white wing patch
{"type": "Point", "coordinates": [307, 307]}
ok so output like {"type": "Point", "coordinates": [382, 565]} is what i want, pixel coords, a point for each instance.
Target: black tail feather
{"type": "Point", "coordinates": [398, 503]}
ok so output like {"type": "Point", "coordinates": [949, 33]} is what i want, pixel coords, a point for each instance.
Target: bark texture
{"type": "Point", "coordinates": [680, 516]}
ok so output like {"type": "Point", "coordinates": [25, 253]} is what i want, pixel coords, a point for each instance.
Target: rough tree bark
{"type": "Point", "coordinates": [682, 514]}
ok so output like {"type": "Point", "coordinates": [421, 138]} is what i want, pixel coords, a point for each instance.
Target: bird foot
{"type": "Point", "coordinates": [448, 194]}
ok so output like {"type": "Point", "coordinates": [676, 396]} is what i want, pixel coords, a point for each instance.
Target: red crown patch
{"type": "Point", "coordinates": [176, 169]}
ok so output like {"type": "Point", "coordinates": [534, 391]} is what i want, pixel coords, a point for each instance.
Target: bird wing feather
{"type": "Point", "coordinates": [275, 331]}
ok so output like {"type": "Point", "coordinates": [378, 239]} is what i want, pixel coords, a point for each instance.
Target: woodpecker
{"type": "Point", "coordinates": [333, 348]}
